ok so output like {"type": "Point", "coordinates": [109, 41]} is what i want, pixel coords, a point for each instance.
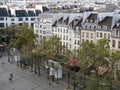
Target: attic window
{"type": "Point", "coordinates": [117, 24]}
{"type": "Point", "coordinates": [91, 21]}
{"type": "Point", "coordinates": [86, 20]}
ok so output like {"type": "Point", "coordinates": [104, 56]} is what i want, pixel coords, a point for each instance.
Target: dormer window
{"type": "Point", "coordinates": [91, 21]}
{"type": "Point", "coordinates": [95, 21]}
{"type": "Point", "coordinates": [87, 20]}
{"type": "Point", "coordinates": [117, 24]}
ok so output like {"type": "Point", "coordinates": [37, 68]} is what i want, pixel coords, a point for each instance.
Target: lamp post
{"type": "Point", "coordinates": [74, 86]}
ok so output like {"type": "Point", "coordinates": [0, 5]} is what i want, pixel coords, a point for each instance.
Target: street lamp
{"type": "Point", "coordinates": [72, 63]}
{"type": "Point", "coordinates": [74, 86]}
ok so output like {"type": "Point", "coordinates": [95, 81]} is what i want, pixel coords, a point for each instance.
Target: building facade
{"type": "Point", "coordinates": [15, 14]}
{"type": "Point", "coordinates": [74, 29]}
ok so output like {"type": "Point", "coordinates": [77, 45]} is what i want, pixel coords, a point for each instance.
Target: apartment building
{"type": "Point", "coordinates": [15, 14]}
{"type": "Point", "coordinates": [62, 25]}
{"type": "Point", "coordinates": [74, 29]}
{"type": "Point", "coordinates": [43, 27]}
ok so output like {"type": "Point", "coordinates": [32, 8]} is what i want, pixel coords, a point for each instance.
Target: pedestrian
{"type": "Point", "coordinates": [2, 63]}
{"type": "Point", "coordinates": [11, 77]}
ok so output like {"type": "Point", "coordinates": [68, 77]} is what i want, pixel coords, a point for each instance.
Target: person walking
{"type": "Point", "coordinates": [11, 77]}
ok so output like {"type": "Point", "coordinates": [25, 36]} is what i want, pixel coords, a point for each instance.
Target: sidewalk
{"type": "Point", "coordinates": [24, 79]}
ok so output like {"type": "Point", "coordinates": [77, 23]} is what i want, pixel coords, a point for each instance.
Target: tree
{"type": "Point", "coordinates": [113, 67]}
{"type": "Point", "coordinates": [24, 41]}
{"type": "Point", "coordinates": [55, 47]}
{"type": "Point", "coordinates": [93, 57]}
{"type": "Point", "coordinates": [10, 31]}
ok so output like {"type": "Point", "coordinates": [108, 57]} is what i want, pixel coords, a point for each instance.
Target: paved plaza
{"type": "Point", "coordinates": [23, 79]}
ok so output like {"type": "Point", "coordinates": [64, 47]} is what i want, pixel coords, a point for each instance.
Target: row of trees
{"type": "Point", "coordinates": [96, 60]}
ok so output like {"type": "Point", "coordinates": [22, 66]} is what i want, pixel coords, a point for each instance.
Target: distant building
{"type": "Point", "coordinates": [15, 14]}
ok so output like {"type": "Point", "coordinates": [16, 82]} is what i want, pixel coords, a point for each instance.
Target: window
{"type": "Point", "coordinates": [61, 30]}
{"type": "Point", "coordinates": [118, 44]}
{"type": "Point", "coordinates": [32, 19]}
{"type": "Point", "coordinates": [36, 31]}
{"type": "Point", "coordinates": [75, 42]}
{"type": "Point", "coordinates": [2, 18]}
{"type": "Point", "coordinates": [1, 24]}
{"type": "Point", "coordinates": [108, 35]}
{"type": "Point", "coordinates": [63, 43]}
{"type": "Point", "coordinates": [78, 42]}
{"type": "Point", "coordinates": [40, 31]}
{"type": "Point", "coordinates": [44, 32]}
{"type": "Point", "coordinates": [40, 36]}
{"type": "Point", "coordinates": [20, 19]}
{"type": "Point", "coordinates": [20, 24]}
{"type": "Point", "coordinates": [12, 23]}
{"type": "Point", "coordinates": [32, 24]}
{"type": "Point", "coordinates": [66, 44]}
{"type": "Point", "coordinates": [100, 34]}
{"type": "Point", "coordinates": [105, 35]}
{"type": "Point", "coordinates": [66, 37]}
{"type": "Point", "coordinates": [97, 34]}
{"type": "Point", "coordinates": [12, 19]}
{"type": "Point", "coordinates": [87, 35]}
{"type": "Point", "coordinates": [83, 34]}
{"type": "Point", "coordinates": [70, 45]}
{"type": "Point", "coordinates": [40, 26]}
{"type": "Point", "coordinates": [66, 30]}
{"type": "Point", "coordinates": [26, 19]}
{"type": "Point", "coordinates": [113, 43]}
{"type": "Point", "coordinates": [91, 35]}
{"type": "Point", "coordinates": [117, 32]}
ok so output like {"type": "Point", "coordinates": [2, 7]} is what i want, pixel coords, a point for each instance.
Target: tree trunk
{"type": "Point", "coordinates": [39, 71]}
{"type": "Point", "coordinates": [31, 67]}
{"type": "Point", "coordinates": [35, 70]}
{"type": "Point", "coordinates": [48, 73]}
{"type": "Point", "coordinates": [97, 79]}
{"type": "Point", "coordinates": [57, 75]}
{"type": "Point", "coordinates": [68, 79]}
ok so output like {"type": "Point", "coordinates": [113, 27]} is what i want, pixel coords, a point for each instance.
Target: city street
{"type": "Point", "coordinates": [23, 79]}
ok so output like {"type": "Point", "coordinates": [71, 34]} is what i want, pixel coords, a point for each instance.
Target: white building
{"type": "Point", "coordinates": [74, 29]}
{"type": "Point", "coordinates": [14, 14]}
{"type": "Point", "coordinates": [43, 26]}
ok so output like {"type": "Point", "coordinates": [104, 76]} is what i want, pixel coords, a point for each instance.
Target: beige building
{"type": "Point", "coordinates": [74, 29]}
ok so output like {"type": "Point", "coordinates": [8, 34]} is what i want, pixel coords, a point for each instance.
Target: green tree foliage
{"type": "Point", "coordinates": [24, 37]}
{"type": "Point", "coordinates": [93, 57]}
{"type": "Point", "coordinates": [55, 46]}
{"type": "Point", "coordinates": [24, 40]}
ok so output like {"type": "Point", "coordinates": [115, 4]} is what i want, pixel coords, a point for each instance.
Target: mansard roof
{"type": "Point", "coordinates": [79, 24]}
{"type": "Point", "coordinates": [66, 21]}
{"type": "Point", "coordinates": [54, 24]}
{"type": "Point", "coordinates": [106, 21]}
{"type": "Point", "coordinates": [60, 20]}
